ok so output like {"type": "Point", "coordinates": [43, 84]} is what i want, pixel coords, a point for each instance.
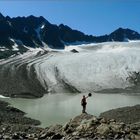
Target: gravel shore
{"type": "Point", "coordinates": [129, 115]}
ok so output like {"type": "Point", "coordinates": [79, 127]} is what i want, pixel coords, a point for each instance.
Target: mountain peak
{"type": "Point", "coordinates": [123, 30]}
{"type": "Point", "coordinates": [35, 31]}
{"type": "Point", "coordinates": [120, 29]}
{"type": "Point", "coordinates": [1, 16]}
{"type": "Point", "coordinates": [64, 26]}
{"type": "Point", "coordinates": [122, 34]}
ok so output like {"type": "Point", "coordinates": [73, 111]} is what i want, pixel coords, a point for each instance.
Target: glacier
{"type": "Point", "coordinates": [97, 67]}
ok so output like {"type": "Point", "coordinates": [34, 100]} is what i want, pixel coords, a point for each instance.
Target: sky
{"type": "Point", "coordinates": [96, 17]}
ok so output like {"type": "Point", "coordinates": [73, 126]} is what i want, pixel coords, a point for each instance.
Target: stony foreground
{"type": "Point", "coordinates": [11, 115]}
{"type": "Point", "coordinates": [85, 127]}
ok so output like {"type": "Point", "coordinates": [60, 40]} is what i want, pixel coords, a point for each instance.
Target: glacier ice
{"type": "Point", "coordinates": [113, 66]}
{"type": "Point", "coordinates": [95, 67]}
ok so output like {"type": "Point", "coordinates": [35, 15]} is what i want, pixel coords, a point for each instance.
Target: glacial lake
{"type": "Point", "coordinates": [59, 108]}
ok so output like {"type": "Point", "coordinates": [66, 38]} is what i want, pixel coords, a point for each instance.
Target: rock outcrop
{"type": "Point", "coordinates": [84, 127]}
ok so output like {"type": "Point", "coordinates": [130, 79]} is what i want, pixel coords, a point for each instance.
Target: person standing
{"type": "Point", "coordinates": [84, 103]}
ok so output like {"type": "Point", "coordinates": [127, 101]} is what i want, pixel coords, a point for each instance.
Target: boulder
{"type": "Point", "coordinates": [103, 129]}
{"type": "Point", "coordinates": [116, 127]}
{"type": "Point", "coordinates": [74, 51]}
{"type": "Point", "coordinates": [57, 136]}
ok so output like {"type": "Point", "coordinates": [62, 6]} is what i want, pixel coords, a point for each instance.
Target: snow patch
{"type": "Point", "coordinates": [38, 30]}
{"type": "Point", "coordinates": [1, 96]}
{"type": "Point", "coordinates": [42, 26]}
{"type": "Point", "coordinates": [2, 48]}
{"type": "Point", "coordinates": [15, 46]}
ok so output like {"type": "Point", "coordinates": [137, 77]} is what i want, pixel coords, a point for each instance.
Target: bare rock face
{"type": "Point", "coordinates": [74, 51]}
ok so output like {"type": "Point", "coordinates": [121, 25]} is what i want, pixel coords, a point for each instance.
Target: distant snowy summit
{"type": "Point", "coordinates": [18, 35]}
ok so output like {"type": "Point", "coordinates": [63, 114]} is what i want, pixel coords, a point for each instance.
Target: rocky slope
{"type": "Point", "coordinates": [19, 34]}
{"type": "Point", "coordinates": [13, 120]}
{"type": "Point", "coordinates": [129, 115]}
{"type": "Point", "coordinates": [11, 115]}
{"type": "Point", "coordinates": [84, 126]}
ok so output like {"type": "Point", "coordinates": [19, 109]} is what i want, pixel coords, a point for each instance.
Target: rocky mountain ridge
{"type": "Point", "coordinates": [19, 34]}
